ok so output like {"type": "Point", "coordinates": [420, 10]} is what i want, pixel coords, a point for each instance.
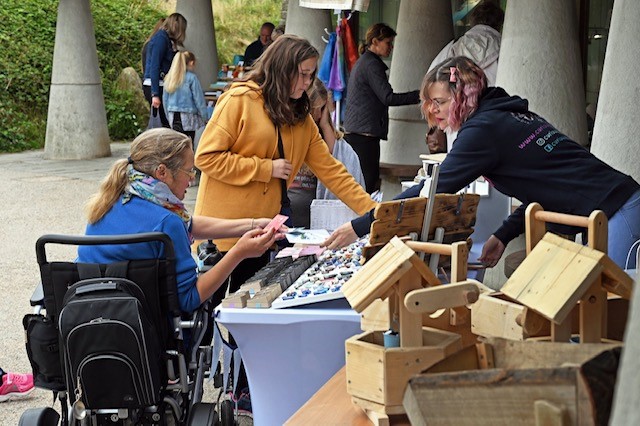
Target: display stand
{"type": "Point", "coordinates": [288, 354]}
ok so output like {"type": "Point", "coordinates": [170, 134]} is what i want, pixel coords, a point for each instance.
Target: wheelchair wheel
{"type": "Point", "coordinates": [203, 413]}
{"type": "Point", "coordinates": [42, 416]}
{"type": "Point", "coordinates": [227, 417]}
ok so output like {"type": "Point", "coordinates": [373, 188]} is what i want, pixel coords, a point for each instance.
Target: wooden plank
{"type": "Point", "coordinates": [491, 397]}
{"type": "Point", "coordinates": [598, 231]}
{"type": "Point", "coordinates": [386, 224]}
{"type": "Point", "coordinates": [561, 332]}
{"type": "Point", "coordinates": [534, 229]}
{"type": "Point", "coordinates": [485, 356]}
{"type": "Point", "coordinates": [376, 316]}
{"type": "Point", "coordinates": [591, 307]}
{"type": "Point", "coordinates": [410, 322]}
{"type": "Point", "coordinates": [493, 317]}
{"type": "Point", "coordinates": [554, 276]}
{"type": "Point", "coordinates": [549, 414]}
{"type": "Point", "coordinates": [455, 213]}
{"type": "Point", "coordinates": [459, 260]}
{"type": "Point", "coordinates": [520, 355]}
{"type": "Point", "coordinates": [376, 276]}
{"type": "Point", "coordinates": [429, 300]}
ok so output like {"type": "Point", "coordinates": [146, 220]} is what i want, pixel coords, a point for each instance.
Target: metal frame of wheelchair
{"type": "Point", "coordinates": [181, 403]}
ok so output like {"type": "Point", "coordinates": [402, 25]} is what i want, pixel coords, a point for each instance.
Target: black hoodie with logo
{"type": "Point", "coordinates": [525, 157]}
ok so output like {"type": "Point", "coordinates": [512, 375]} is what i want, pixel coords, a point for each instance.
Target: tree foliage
{"type": "Point", "coordinates": [121, 26]}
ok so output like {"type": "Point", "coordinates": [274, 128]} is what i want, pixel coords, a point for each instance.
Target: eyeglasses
{"type": "Point", "coordinates": [438, 103]}
{"type": "Point", "coordinates": [191, 173]}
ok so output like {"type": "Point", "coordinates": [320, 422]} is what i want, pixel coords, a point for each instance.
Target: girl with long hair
{"type": "Point", "coordinates": [183, 98]}
{"type": "Point", "coordinates": [257, 140]}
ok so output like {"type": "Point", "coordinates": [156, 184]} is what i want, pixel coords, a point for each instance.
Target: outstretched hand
{"type": "Point", "coordinates": [341, 237]}
{"type": "Point", "coordinates": [255, 242]}
{"type": "Point", "coordinates": [491, 252]}
{"type": "Point", "coordinates": [262, 222]}
{"type": "Point", "coordinates": [281, 168]}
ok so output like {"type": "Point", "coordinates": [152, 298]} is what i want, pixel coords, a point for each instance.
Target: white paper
{"type": "Point", "coordinates": [308, 236]}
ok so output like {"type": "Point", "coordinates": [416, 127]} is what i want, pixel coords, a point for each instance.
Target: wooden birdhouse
{"type": "Point", "coordinates": [558, 274]}
{"type": "Point", "coordinates": [377, 374]}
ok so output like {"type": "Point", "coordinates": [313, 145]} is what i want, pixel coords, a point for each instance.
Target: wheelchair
{"type": "Point", "coordinates": [109, 340]}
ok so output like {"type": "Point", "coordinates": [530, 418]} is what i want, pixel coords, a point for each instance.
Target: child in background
{"type": "Point", "coordinates": [305, 186]}
{"type": "Point", "coordinates": [183, 98]}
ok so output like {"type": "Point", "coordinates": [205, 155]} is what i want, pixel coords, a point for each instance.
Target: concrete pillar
{"type": "Point", "coordinates": [76, 120]}
{"type": "Point", "coordinates": [310, 24]}
{"type": "Point", "coordinates": [615, 135]}
{"type": "Point", "coordinates": [540, 61]}
{"type": "Point", "coordinates": [201, 38]}
{"type": "Point", "coordinates": [424, 28]}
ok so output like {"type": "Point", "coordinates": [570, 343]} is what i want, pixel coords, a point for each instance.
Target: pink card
{"type": "Point", "coordinates": [276, 222]}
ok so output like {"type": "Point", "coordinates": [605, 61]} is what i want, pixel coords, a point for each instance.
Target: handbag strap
{"type": "Point", "coordinates": [284, 199]}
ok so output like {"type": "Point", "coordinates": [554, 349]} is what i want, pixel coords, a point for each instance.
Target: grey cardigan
{"type": "Point", "coordinates": [369, 96]}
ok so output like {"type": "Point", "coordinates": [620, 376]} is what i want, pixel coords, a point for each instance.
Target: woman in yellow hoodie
{"type": "Point", "coordinates": [244, 173]}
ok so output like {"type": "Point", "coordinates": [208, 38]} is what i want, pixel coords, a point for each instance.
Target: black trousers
{"type": "Point", "coordinates": [368, 150]}
{"type": "Point", "coordinates": [147, 96]}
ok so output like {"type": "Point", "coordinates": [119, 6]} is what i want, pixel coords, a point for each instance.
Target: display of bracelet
{"type": "Point", "coordinates": [324, 279]}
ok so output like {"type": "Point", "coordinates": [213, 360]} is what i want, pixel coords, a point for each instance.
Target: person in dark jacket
{"type": "Point", "coordinates": [159, 53]}
{"type": "Point", "coordinates": [255, 49]}
{"type": "Point", "coordinates": [369, 96]}
{"type": "Point", "coordinates": [523, 156]}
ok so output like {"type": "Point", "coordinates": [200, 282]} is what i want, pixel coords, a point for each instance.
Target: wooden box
{"type": "Point", "coordinates": [377, 376]}
{"type": "Point", "coordinates": [501, 382]}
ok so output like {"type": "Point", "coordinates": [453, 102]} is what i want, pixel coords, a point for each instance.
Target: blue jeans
{"type": "Point", "coordinates": [624, 230]}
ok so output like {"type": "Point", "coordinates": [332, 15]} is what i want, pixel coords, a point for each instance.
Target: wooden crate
{"type": "Point", "coordinates": [502, 382]}
{"type": "Point", "coordinates": [379, 375]}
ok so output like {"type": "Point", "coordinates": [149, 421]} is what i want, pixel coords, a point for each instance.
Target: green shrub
{"type": "Point", "coordinates": [27, 37]}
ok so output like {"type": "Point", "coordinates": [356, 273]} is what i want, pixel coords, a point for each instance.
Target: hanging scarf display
{"type": "Point", "coordinates": [350, 47]}
{"type": "Point", "coordinates": [324, 72]}
{"type": "Point", "coordinates": [337, 78]}
{"type": "Point", "coordinates": [151, 189]}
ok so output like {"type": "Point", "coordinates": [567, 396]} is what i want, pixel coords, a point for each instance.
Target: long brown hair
{"type": "Point", "coordinates": [176, 26]}
{"type": "Point", "coordinates": [275, 71]}
{"type": "Point", "coordinates": [147, 152]}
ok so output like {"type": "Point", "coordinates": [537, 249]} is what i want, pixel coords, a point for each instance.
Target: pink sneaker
{"type": "Point", "coordinates": [15, 386]}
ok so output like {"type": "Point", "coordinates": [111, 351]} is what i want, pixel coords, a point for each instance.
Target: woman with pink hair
{"type": "Point", "coordinates": [523, 156]}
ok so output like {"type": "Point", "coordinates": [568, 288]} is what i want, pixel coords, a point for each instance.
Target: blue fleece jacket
{"type": "Point", "coordinates": [139, 216]}
{"type": "Point", "coordinates": [525, 157]}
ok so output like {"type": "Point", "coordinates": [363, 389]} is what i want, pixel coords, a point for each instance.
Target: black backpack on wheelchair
{"type": "Point", "coordinates": [111, 341]}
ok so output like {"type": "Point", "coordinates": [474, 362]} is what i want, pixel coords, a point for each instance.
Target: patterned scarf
{"type": "Point", "coordinates": [151, 189]}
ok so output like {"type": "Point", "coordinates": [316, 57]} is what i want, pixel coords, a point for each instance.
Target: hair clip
{"type": "Point", "coordinates": [452, 77]}
{"type": "Point", "coordinates": [129, 160]}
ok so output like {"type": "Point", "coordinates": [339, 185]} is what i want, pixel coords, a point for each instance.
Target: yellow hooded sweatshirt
{"type": "Point", "coordinates": [235, 156]}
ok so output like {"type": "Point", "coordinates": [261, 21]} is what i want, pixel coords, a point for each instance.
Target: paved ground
{"type": "Point", "coordinates": [39, 196]}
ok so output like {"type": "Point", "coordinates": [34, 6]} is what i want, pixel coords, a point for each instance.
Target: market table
{"type": "Point", "coordinates": [288, 353]}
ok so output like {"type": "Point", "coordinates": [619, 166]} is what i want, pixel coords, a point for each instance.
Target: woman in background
{"type": "Point", "coordinates": [160, 51]}
{"type": "Point", "coordinates": [305, 186]}
{"type": "Point", "coordinates": [369, 96]}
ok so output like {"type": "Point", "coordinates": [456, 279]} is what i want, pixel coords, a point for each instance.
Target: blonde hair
{"type": "Point", "coordinates": [147, 152]}
{"type": "Point", "coordinates": [175, 76]}
{"type": "Point", "coordinates": [318, 94]}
